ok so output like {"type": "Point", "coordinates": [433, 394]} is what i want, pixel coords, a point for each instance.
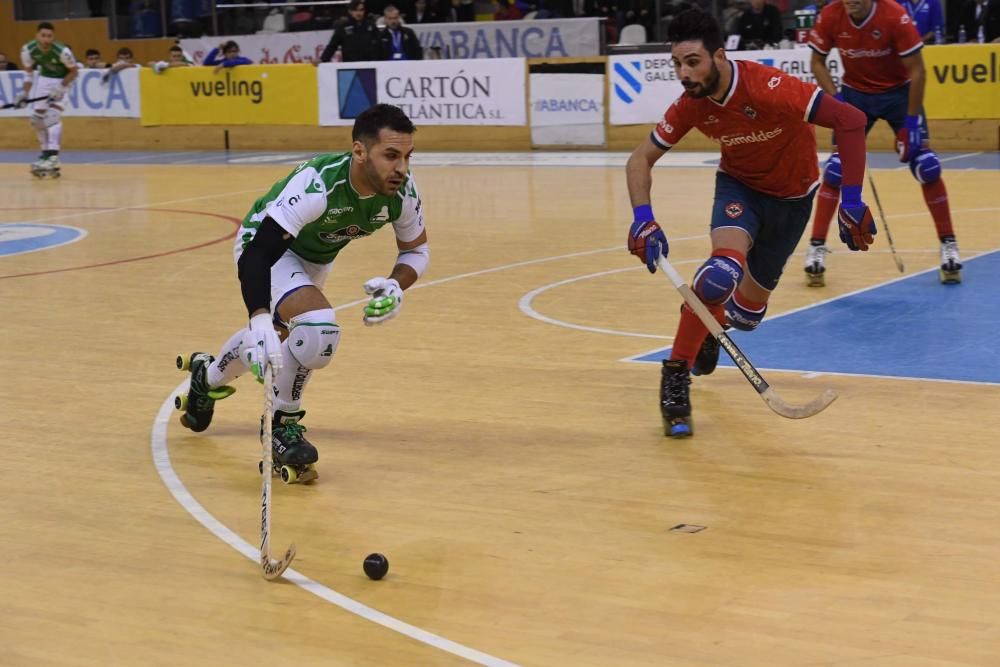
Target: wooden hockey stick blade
{"type": "Point", "coordinates": [753, 376]}
{"type": "Point", "coordinates": [273, 569]}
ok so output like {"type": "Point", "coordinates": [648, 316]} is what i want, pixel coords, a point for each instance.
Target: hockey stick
{"type": "Point", "coordinates": [770, 397]}
{"type": "Point", "coordinates": [885, 224]}
{"type": "Point", "coordinates": [30, 100]}
{"type": "Point", "coordinates": [272, 568]}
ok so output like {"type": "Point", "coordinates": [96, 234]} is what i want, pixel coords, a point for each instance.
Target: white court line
{"type": "Point", "coordinates": [161, 459]}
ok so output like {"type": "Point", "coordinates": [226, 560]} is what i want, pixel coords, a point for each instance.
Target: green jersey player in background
{"type": "Point", "coordinates": [53, 67]}
{"type": "Point", "coordinates": [284, 252]}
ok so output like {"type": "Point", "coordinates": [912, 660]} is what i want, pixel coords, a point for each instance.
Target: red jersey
{"type": "Point", "coordinates": [871, 50]}
{"type": "Point", "coordinates": [762, 126]}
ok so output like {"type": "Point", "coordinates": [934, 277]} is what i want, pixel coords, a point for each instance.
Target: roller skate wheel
{"type": "Point", "coordinates": [950, 277]}
{"type": "Point", "coordinates": [815, 280]}
{"type": "Point", "coordinates": [288, 475]}
{"type": "Point", "coordinates": [183, 363]}
{"type": "Point", "coordinates": [181, 402]}
{"type": "Point", "coordinates": [55, 174]}
{"type": "Point", "coordinates": [185, 423]}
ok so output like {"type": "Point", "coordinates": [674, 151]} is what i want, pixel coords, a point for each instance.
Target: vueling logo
{"type": "Point", "coordinates": [978, 73]}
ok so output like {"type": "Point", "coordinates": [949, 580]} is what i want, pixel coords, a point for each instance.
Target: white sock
{"type": "Point", "coordinates": [55, 134]}
{"type": "Point", "coordinates": [228, 365]}
{"type": "Point", "coordinates": [290, 383]}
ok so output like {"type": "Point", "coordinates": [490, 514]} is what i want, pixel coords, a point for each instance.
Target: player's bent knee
{"type": "Point", "coordinates": [38, 122]}
{"type": "Point", "coordinates": [743, 316]}
{"type": "Point", "coordinates": [717, 279]}
{"type": "Point", "coordinates": [926, 167]}
{"type": "Point", "coordinates": [832, 173]}
{"type": "Point", "coordinates": [53, 116]}
{"type": "Point", "coordinates": [313, 337]}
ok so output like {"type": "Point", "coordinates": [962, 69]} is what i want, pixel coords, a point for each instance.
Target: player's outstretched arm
{"type": "Point", "coordinates": [857, 226]}
{"type": "Point", "coordinates": [387, 293]}
{"type": "Point", "coordinates": [645, 238]}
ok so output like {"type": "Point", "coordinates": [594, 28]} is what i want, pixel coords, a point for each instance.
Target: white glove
{"type": "Point", "coordinates": [21, 100]}
{"type": "Point", "coordinates": [386, 302]}
{"type": "Point", "coordinates": [262, 346]}
{"type": "Point", "coordinates": [57, 93]}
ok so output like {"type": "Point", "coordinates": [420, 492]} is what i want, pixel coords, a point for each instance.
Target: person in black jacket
{"type": "Point", "coordinates": [976, 13]}
{"type": "Point", "coordinates": [398, 41]}
{"type": "Point", "coordinates": [760, 25]}
{"type": "Point", "coordinates": [355, 35]}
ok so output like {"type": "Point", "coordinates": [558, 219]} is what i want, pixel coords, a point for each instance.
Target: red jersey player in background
{"type": "Point", "coordinates": [884, 77]}
{"type": "Point", "coordinates": [764, 188]}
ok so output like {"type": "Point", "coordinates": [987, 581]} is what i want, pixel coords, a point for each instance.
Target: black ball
{"type": "Point", "coordinates": [376, 566]}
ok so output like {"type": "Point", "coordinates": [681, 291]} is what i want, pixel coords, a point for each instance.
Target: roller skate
{"type": "Point", "coordinates": [708, 356]}
{"type": "Point", "coordinates": [199, 403]}
{"type": "Point", "coordinates": [951, 265]}
{"type": "Point", "coordinates": [293, 457]}
{"type": "Point", "coordinates": [675, 404]}
{"type": "Point", "coordinates": [815, 269]}
{"type": "Point", "coordinates": [46, 167]}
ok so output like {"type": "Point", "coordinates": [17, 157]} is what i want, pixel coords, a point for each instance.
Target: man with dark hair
{"type": "Point", "coordinates": [56, 67]}
{"type": "Point", "coordinates": [284, 252]}
{"type": "Point", "coordinates": [760, 25]}
{"type": "Point", "coordinates": [92, 58]}
{"type": "Point", "coordinates": [355, 35]}
{"type": "Point", "coordinates": [760, 116]}
{"type": "Point", "coordinates": [226, 54]}
{"type": "Point", "coordinates": [398, 41]}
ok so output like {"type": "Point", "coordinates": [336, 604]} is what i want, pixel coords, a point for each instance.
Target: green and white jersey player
{"type": "Point", "coordinates": [54, 67]}
{"type": "Point", "coordinates": [285, 250]}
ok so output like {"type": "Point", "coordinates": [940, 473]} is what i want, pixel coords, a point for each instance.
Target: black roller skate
{"type": "Point", "coordinates": [675, 404]}
{"type": "Point", "coordinates": [293, 457]}
{"type": "Point", "coordinates": [199, 403]}
{"type": "Point", "coordinates": [708, 356]}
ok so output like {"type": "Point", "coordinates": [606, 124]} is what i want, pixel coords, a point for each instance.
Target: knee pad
{"type": "Point", "coordinates": [46, 119]}
{"type": "Point", "coordinates": [832, 173]}
{"type": "Point", "coordinates": [743, 317]}
{"type": "Point", "coordinates": [718, 278]}
{"type": "Point", "coordinates": [926, 167]}
{"type": "Point", "coordinates": [313, 338]}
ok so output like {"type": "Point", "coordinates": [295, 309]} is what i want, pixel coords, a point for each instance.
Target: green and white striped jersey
{"type": "Point", "coordinates": [54, 63]}
{"type": "Point", "coordinates": [318, 206]}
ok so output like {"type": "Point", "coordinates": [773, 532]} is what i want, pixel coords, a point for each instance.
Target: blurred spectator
{"type": "Point", "coordinates": [507, 11]}
{"type": "Point", "coordinates": [144, 19]}
{"type": "Point", "coordinates": [6, 65]}
{"type": "Point", "coordinates": [125, 61]}
{"type": "Point", "coordinates": [398, 41]}
{"type": "Point", "coordinates": [355, 35]}
{"type": "Point", "coordinates": [927, 17]}
{"type": "Point", "coordinates": [985, 14]}
{"type": "Point", "coordinates": [92, 59]}
{"type": "Point", "coordinates": [760, 25]}
{"type": "Point", "coordinates": [96, 8]}
{"type": "Point", "coordinates": [465, 10]}
{"type": "Point", "coordinates": [187, 17]}
{"type": "Point", "coordinates": [230, 52]}
{"type": "Point", "coordinates": [423, 14]}
{"type": "Point", "coordinates": [176, 58]}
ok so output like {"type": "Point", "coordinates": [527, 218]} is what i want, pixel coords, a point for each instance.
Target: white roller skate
{"type": "Point", "coordinates": [814, 267]}
{"type": "Point", "coordinates": [48, 167]}
{"type": "Point", "coordinates": [951, 263]}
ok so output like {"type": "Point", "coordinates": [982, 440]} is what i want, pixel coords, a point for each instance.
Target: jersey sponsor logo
{"type": "Point", "coordinates": [844, 35]}
{"type": "Point", "coordinates": [346, 234]}
{"type": "Point", "coordinates": [711, 120]}
{"type": "Point", "coordinates": [666, 127]}
{"type": "Point", "coordinates": [734, 209]}
{"type": "Point", "coordinates": [752, 138]}
{"type": "Point", "coordinates": [876, 33]}
{"type": "Point", "coordinates": [340, 210]}
{"type": "Point", "coordinates": [293, 200]}
{"type": "Point", "coordinates": [315, 186]}
{"type": "Point", "coordinates": [904, 19]}
{"type": "Point", "coordinates": [749, 111]}
{"type": "Point", "coordinates": [865, 53]}
{"type": "Point", "coordinates": [381, 216]}
{"type": "Point", "coordinates": [774, 82]}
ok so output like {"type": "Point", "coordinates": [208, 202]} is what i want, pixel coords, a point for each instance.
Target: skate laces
{"type": "Point", "coordinates": [816, 253]}
{"type": "Point", "coordinates": [677, 387]}
{"type": "Point", "coordinates": [293, 431]}
{"type": "Point", "coordinates": [949, 252]}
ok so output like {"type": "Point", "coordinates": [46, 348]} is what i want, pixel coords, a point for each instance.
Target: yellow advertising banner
{"type": "Point", "coordinates": [963, 81]}
{"type": "Point", "coordinates": [243, 95]}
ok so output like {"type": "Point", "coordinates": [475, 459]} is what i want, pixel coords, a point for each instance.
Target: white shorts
{"type": "Point", "coordinates": [288, 274]}
{"type": "Point", "coordinates": [43, 86]}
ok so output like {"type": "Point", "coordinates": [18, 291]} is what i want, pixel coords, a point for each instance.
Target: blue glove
{"type": "Point", "coordinates": [909, 139]}
{"type": "Point", "coordinates": [645, 239]}
{"type": "Point", "coordinates": [857, 226]}
{"type": "Point", "coordinates": [839, 96]}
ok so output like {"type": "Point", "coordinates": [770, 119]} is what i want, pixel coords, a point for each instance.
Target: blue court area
{"type": "Point", "coordinates": [972, 160]}
{"type": "Point", "coordinates": [913, 327]}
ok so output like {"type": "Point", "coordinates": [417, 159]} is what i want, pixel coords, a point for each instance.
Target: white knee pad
{"type": "Point", "coordinates": [50, 117]}
{"type": "Point", "coordinates": [313, 337]}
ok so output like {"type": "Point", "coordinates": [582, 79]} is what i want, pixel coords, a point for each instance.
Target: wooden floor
{"type": "Point", "coordinates": [513, 469]}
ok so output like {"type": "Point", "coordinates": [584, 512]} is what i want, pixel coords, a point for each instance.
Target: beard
{"type": "Point", "coordinates": [709, 87]}
{"type": "Point", "coordinates": [379, 184]}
